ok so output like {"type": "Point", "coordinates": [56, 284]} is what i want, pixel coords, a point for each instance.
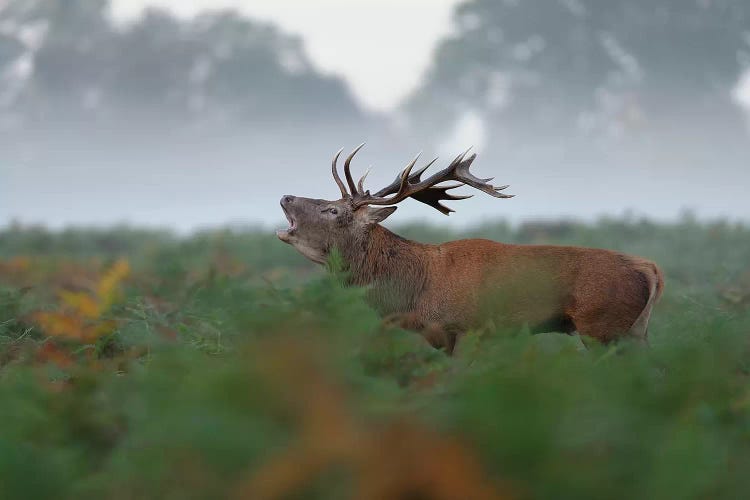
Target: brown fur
{"type": "Point", "coordinates": [444, 290]}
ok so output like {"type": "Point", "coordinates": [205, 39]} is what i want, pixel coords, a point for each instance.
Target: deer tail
{"type": "Point", "coordinates": [655, 279]}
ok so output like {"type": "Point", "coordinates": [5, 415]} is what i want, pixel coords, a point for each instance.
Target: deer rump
{"type": "Point", "coordinates": [445, 290]}
{"type": "Point", "coordinates": [470, 283]}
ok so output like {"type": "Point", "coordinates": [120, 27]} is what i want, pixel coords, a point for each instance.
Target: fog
{"type": "Point", "coordinates": [209, 121]}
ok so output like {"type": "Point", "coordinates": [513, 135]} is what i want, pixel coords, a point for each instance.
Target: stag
{"type": "Point", "coordinates": [443, 291]}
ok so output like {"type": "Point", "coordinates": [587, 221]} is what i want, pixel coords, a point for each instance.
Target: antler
{"type": "Point", "coordinates": [409, 184]}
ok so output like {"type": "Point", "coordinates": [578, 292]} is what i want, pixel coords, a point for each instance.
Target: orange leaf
{"type": "Point", "coordinates": [60, 325]}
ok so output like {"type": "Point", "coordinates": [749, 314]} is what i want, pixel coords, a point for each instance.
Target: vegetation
{"type": "Point", "coordinates": [136, 364]}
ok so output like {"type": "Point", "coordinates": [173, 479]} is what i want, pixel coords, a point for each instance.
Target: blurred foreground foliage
{"type": "Point", "coordinates": [136, 364]}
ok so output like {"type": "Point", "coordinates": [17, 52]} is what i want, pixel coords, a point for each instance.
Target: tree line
{"type": "Point", "coordinates": [65, 61]}
{"type": "Point", "coordinates": [547, 68]}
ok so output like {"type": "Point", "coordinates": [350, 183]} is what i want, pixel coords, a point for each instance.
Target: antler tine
{"type": "Point", "coordinates": [404, 185]}
{"type": "Point", "coordinates": [361, 183]}
{"type": "Point", "coordinates": [407, 171]}
{"type": "Point", "coordinates": [334, 169]}
{"type": "Point", "coordinates": [347, 170]}
{"type": "Point", "coordinates": [449, 196]}
{"type": "Point", "coordinates": [458, 159]}
{"type": "Point", "coordinates": [417, 176]}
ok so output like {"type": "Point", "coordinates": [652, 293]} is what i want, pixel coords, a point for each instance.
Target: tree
{"type": "Point", "coordinates": [219, 68]}
{"type": "Point", "coordinates": [553, 68]}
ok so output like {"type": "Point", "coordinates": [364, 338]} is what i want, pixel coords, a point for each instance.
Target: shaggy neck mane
{"type": "Point", "coordinates": [392, 265]}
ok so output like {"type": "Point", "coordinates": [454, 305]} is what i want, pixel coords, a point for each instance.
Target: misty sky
{"type": "Point", "coordinates": [382, 47]}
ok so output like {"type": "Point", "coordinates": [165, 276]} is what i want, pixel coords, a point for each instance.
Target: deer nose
{"type": "Point", "coordinates": [287, 199]}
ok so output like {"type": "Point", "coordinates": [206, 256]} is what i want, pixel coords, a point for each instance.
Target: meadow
{"type": "Point", "coordinates": [140, 364]}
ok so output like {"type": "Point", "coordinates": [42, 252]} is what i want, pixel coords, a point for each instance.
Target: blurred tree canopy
{"type": "Point", "coordinates": [65, 61]}
{"type": "Point", "coordinates": [547, 68]}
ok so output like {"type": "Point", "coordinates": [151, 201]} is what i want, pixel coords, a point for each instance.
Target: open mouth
{"type": "Point", "coordinates": [284, 234]}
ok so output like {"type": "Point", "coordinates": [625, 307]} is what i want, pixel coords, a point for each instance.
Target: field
{"type": "Point", "coordinates": [137, 364]}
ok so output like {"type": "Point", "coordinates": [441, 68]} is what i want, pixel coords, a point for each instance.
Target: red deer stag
{"type": "Point", "coordinates": [444, 290]}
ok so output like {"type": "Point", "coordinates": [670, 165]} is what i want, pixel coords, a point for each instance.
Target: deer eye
{"type": "Point", "coordinates": [332, 210]}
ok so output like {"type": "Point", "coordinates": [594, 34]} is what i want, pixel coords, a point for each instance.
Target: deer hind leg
{"type": "Point", "coordinates": [593, 332]}
{"type": "Point", "coordinates": [623, 316]}
{"type": "Point", "coordinates": [600, 324]}
{"type": "Point", "coordinates": [607, 329]}
{"type": "Point", "coordinates": [607, 326]}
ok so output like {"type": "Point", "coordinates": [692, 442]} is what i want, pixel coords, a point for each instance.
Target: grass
{"type": "Point", "coordinates": [136, 364]}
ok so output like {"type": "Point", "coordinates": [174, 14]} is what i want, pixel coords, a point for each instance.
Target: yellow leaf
{"type": "Point", "coordinates": [82, 303]}
{"type": "Point", "coordinates": [108, 285]}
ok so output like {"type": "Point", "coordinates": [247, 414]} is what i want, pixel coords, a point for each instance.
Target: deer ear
{"type": "Point", "coordinates": [377, 215]}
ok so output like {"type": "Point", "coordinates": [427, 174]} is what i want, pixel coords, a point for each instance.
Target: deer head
{"type": "Point", "coordinates": [316, 226]}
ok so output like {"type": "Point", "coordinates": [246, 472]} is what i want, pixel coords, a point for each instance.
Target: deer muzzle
{"type": "Point", "coordinates": [286, 234]}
